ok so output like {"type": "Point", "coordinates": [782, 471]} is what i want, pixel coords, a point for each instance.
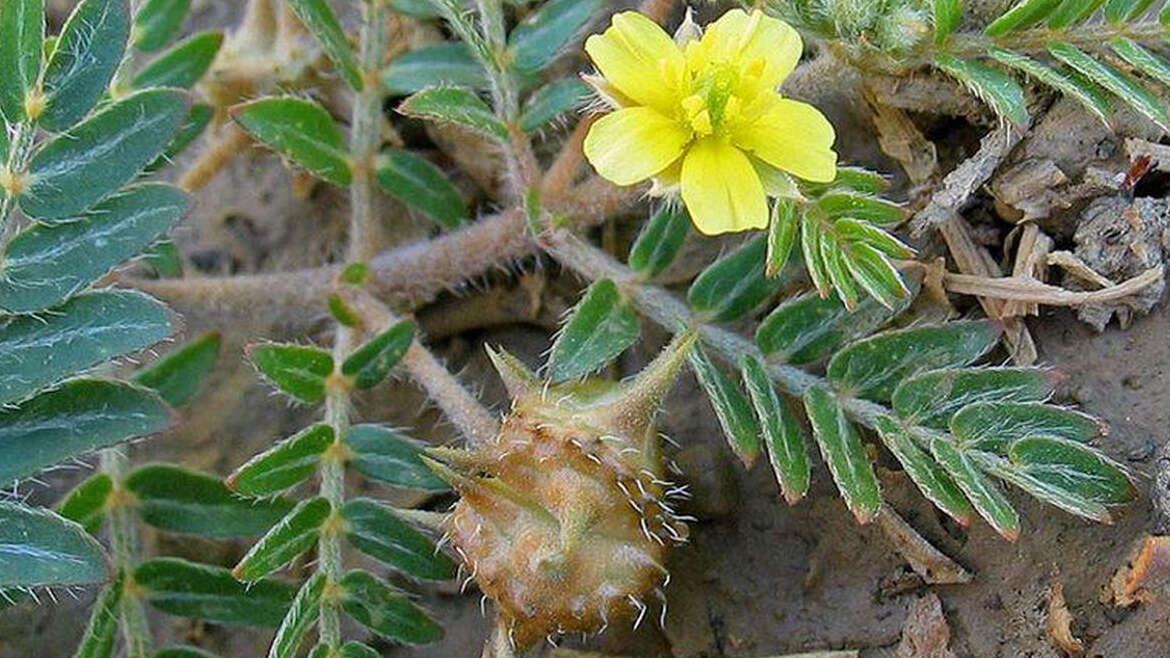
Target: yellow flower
{"type": "Point", "coordinates": [705, 118]}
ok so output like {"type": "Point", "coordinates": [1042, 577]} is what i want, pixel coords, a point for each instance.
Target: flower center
{"type": "Point", "coordinates": [713, 102]}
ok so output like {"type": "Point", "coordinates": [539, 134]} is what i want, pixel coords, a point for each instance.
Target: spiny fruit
{"type": "Point", "coordinates": [563, 518]}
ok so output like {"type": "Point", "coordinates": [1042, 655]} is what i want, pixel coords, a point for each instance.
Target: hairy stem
{"type": "Point", "coordinates": [329, 561]}
{"type": "Point", "coordinates": [125, 549]}
{"type": "Point", "coordinates": [472, 419]}
{"type": "Point", "coordinates": [365, 134]}
{"type": "Point", "coordinates": [12, 180]}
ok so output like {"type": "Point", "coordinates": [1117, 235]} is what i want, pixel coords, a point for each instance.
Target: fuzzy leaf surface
{"type": "Point", "coordinates": [734, 285]}
{"type": "Point", "coordinates": [22, 29]}
{"type": "Point", "coordinates": [930, 478]}
{"type": "Point", "coordinates": [412, 179]}
{"type": "Point", "coordinates": [987, 498]}
{"type": "Point", "coordinates": [179, 500]}
{"type": "Point", "coordinates": [86, 503]}
{"type": "Point", "coordinates": [40, 549]}
{"type": "Point", "coordinates": [182, 373]}
{"type": "Point", "coordinates": [72, 420]}
{"type": "Point", "coordinates": [302, 614]}
{"type": "Point", "coordinates": [448, 63]}
{"type": "Point", "coordinates": [844, 454]}
{"type": "Point", "coordinates": [298, 370]}
{"type": "Point", "coordinates": [732, 407]}
{"type": "Point", "coordinates": [158, 23]}
{"type": "Point", "coordinates": [455, 105]}
{"type": "Point", "coordinates": [391, 457]}
{"type": "Point", "coordinates": [602, 325]}
{"type": "Point", "coordinates": [322, 21]}
{"type": "Point", "coordinates": [183, 65]}
{"type": "Point", "coordinates": [659, 241]}
{"type": "Point", "coordinates": [285, 541]}
{"type": "Point", "coordinates": [376, 531]}
{"type": "Point", "coordinates": [369, 364]}
{"type": "Point", "coordinates": [782, 433]}
{"type": "Point", "coordinates": [89, 329]}
{"type": "Point", "coordinates": [300, 130]}
{"type": "Point", "coordinates": [189, 589]}
{"type": "Point", "coordinates": [373, 604]}
{"type": "Point", "coordinates": [284, 465]}
{"type": "Point", "coordinates": [88, 51]}
{"type": "Point", "coordinates": [931, 398]}
{"type": "Point", "coordinates": [993, 426]}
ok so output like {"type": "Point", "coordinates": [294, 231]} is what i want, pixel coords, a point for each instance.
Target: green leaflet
{"type": "Point", "coordinates": [809, 328]}
{"type": "Point", "coordinates": [183, 65]}
{"type": "Point", "coordinates": [660, 240]}
{"type": "Point", "coordinates": [1119, 84]}
{"type": "Point", "coordinates": [1068, 500]}
{"type": "Point", "coordinates": [931, 398]}
{"type": "Point", "coordinates": [855, 179]}
{"type": "Point", "coordinates": [303, 612]}
{"type": "Point", "coordinates": [297, 370]}
{"type": "Point", "coordinates": [1024, 14]}
{"type": "Point", "coordinates": [782, 229]}
{"type": "Point", "coordinates": [993, 426]}
{"type": "Point", "coordinates": [1073, 466]}
{"type": "Point", "coordinates": [300, 130]}
{"type": "Point", "coordinates": [86, 503]}
{"type": "Point", "coordinates": [391, 457]}
{"type": "Point", "coordinates": [447, 63]}
{"type": "Point", "coordinates": [88, 329]}
{"type": "Point", "coordinates": [544, 33]}
{"type": "Point", "coordinates": [181, 374]}
{"type": "Point", "coordinates": [844, 454]}
{"type": "Point", "coordinates": [994, 87]}
{"type": "Point", "coordinates": [39, 549]}
{"type": "Point", "coordinates": [810, 248]}
{"type": "Point", "coordinates": [198, 117]}
{"type": "Point", "coordinates": [552, 101]}
{"type": "Point", "coordinates": [376, 531]}
{"type": "Point", "coordinates": [601, 326]}
{"type": "Point", "coordinates": [80, 416]}
{"type": "Point", "coordinates": [102, 631]}
{"type": "Point", "coordinates": [782, 434]}
{"type": "Point", "coordinates": [46, 264]}
{"type": "Point", "coordinates": [283, 466]}
{"type": "Point", "coordinates": [421, 185]}
{"type": "Point", "coordinates": [390, 614]}
{"type": "Point", "coordinates": [874, 272]}
{"type": "Point", "coordinates": [860, 206]}
{"type": "Point", "coordinates": [285, 541]}
{"type": "Point", "coordinates": [1074, 86]}
{"type": "Point", "coordinates": [319, 17]}
{"type": "Point", "coordinates": [731, 406]}
{"type": "Point", "coordinates": [458, 106]}
{"type": "Point", "coordinates": [839, 276]}
{"type": "Point", "coordinates": [369, 364]}
{"type": "Point", "coordinates": [1124, 11]}
{"type": "Point", "coordinates": [947, 15]}
{"type": "Point", "coordinates": [734, 285]}
{"type": "Point", "coordinates": [178, 500]}
{"type": "Point", "coordinates": [88, 51]}
{"type": "Point", "coordinates": [188, 589]}
{"type": "Point", "coordinates": [98, 156]}
{"type": "Point", "coordinates": [158, 22]}
{"type": "Point", "coordinates": [874, 366]}
{"type": "Point", "coordinates": [930, 478]}
{"type": "Point", "coordinates": [22, 29]}
{"type": "Point", "coordinates": [1153, 65]}
{"type": "Point", "coordinates": [1071, 12]}
{"type": "Point", "coordinates": [987, 498]}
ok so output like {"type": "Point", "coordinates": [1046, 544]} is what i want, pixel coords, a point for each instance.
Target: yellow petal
{"type": "Point", "coordinates": [754, 40]}
{"type": "Point", "coordinates": [633, 144]}
{"type": "Point", "coordinates": [791, 136]}
{"type": "Point", "coordinates": [639, 59]}
{"type": "Point", "coordinates": [721, 189]}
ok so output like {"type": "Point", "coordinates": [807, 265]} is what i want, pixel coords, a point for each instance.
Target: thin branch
{"type": "Point", "coordinates": [1032, 291]}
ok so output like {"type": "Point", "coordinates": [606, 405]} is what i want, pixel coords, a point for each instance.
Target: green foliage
{"type": "Point", "coordinates": [781, 429]}
{"type": "Point", "coordinates": [734, 285]}
{"type": "Point", "coordinates": [87, 330]}
{"type": "Point", "coordinates": [374, 530]}
{"type": "Point", "coordinates": [844, 454]}
{"type": "Point", "coordinates": [179, 377]}
{"type": "Point", "coordinates": [39, 548]}
{"type": "Point", "coordinates": [390, 457]}
{"type": "Point", "coordinates": [375, 605]}
{"type": "Point", "coordinates": [182, 65]}
{"type": "Point", "coordinates": [283, 466]}
{"type": "Point", "coordinates": [552, 102]}
{"type": "Point", "coordinates": [599, 328]}
{"type": "Point", "coordinates": [302, 614]}
{"type": "Point", "coordinates": [187, 589]}
{"type": "Point", "coordinates": [72, 420]}
{"type": "Point", "coordinates": [285, 541]}
{"type": "Point", "coordinates": [319, 17]}
{"type": "Point", "coordinates": [543, 34]}
{"type": "Point", "coordinates": [48, 263]}
{"type": "Point", "coordinates": [458, 106]}
{"type": "Point", "coordinates": [300, 130]}
{"type": "Point", "coordinates": [297, 370]}
{"type": "Point", "coordinates": [421, 185]}
{"type": "Point", "coordinates": [660, 240]}
{"type": "Point", "coordinates": [82, 63]}
{"type": "Point", "coordinates": [449, 63]}
{"type": "Point", "coordinates": [86, 503]}
{"type": "Point", "coordinates": [179, 500]}
{"type": "Point", "coordinates": [158, 22]}
{"type": "Point", "coordinates": [99, 155]}
{"type": "Point", "coordinates": [22, 29]}
{"type": "Point", "coordinates": [369, 364]}
{"type": "Point", "coordinates": [102, 631]}
{"type": "Point", "coordinates": [731, 406]}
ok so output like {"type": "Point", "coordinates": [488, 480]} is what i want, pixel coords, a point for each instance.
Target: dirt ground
{"type": "Point", "coordinates": [758, 578]}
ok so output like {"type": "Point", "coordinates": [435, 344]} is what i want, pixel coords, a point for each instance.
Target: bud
{"type": "Point", "coordinates": [563, 519]}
